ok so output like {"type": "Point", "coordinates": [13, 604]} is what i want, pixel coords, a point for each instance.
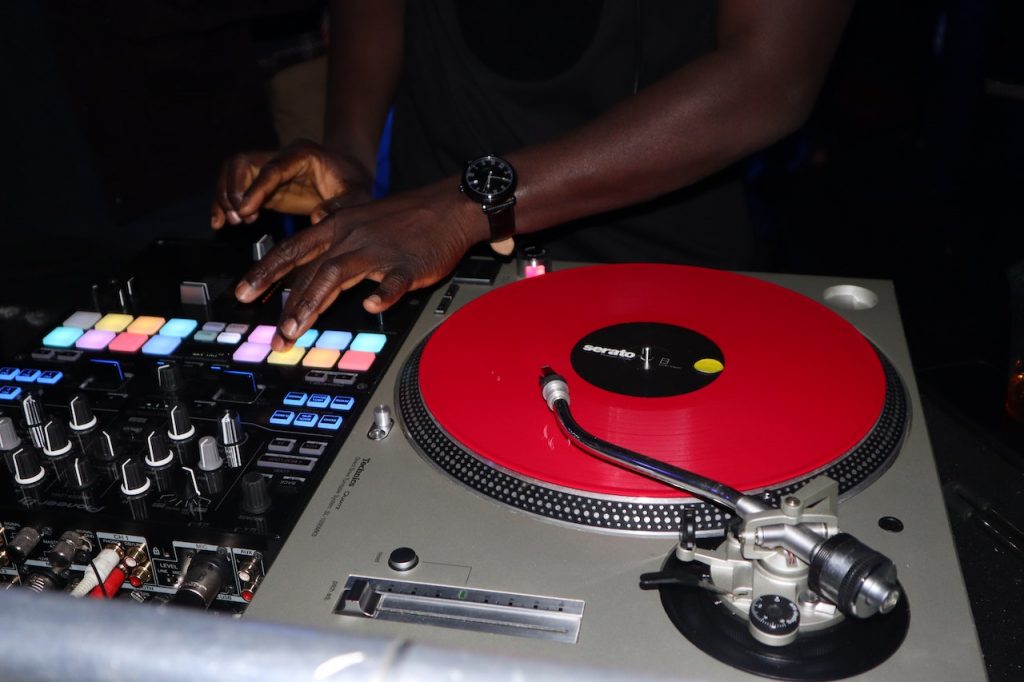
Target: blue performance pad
{"type": "Point", "coordinates": [295, 399]}
{"type": "Point", "coordinates": [342, 402]}
{"type": "Point", "coordinates": [8, 373]}
{"type": "Point", "coordinates": [306, 420]}
{"type": "Point", "coordinates": [161, 345]}
{"type": "Point", "coordinates": [178, 326]}
{"type": "Point", "coordinates": [334, 339]}
{"type": "Point", "coordinates": [319, 400]}
{"type": "Point", "coordinates": [369, 343]}
{"type": "Point", "coordinates": [62, 337]}
{"type": "Point", "coordinates": [307, 339]}
{"type": "Point", "coordinates": [331, 422]}
{"type": "Point", "coordinates": [51, 376]}
{"type": "Point", "coordinates": [28, 375]}
{"type": "Point", "coordinates": [206, 336]}
{"type": "Point", "coordinates": [10, 392]}
{"type": "Point", "coordinates": [282, 417]}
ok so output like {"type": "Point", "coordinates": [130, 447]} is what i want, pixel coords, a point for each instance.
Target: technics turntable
{"type": "Point", "coordinates": [645, 467]}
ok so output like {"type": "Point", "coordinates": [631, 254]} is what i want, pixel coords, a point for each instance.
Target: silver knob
{"type": "Point", "coordinates": [382, 423]}
{"type": "Point", "coordinates": [9, 438]}
{"type": "Point", "coordinates": [209, 454]}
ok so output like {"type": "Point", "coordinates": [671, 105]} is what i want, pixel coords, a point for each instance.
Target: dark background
{"type": "Point", "coordinates": [117, 113]}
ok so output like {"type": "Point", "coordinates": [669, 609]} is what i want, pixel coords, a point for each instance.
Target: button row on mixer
{"type": "Point", "coordinates": [30, 376]}
{"type": "Point", "coordinates": [335, 378]}
{"type": "Point", "coordinates": [60, 355]}
{"type": "Point", "coordinates": [320, 401]}
{"type": "Point", "coordinates": [156, 336]}
{"type": "Point", "coordinates": [286, 446]}
{"type": "Point", "coordinates": [306, 420]}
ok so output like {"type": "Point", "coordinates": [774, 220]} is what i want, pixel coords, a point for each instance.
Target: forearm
{"type": "Point", "coordinates": [758, 86]}
{"type": "Point", "coordinates": [364, 63]}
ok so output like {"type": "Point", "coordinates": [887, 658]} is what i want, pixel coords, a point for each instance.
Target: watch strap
{"type": "Point", "coordinates": [502, 219]}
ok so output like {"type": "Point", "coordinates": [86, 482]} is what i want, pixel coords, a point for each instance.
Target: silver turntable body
{"type": "Point", "coordinates": [391, 546]}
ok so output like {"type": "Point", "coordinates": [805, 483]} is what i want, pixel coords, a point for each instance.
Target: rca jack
{"type": "Point", "coordinates": [250, 574]}
{"type": "Point", "coordinates": [141, 574]}
{"type": "Point", "coordinates": [136, 556]}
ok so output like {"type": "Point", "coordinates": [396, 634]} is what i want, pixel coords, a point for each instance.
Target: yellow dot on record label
{"type": "Point", "coordinates": [708, 366]}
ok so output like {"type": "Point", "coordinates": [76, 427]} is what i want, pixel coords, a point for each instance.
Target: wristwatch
{"type": "Point", "coordinates": [491, 182]}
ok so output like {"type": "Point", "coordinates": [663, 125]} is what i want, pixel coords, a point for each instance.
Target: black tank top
{"type": "Point", "coordinates": [520, 72]}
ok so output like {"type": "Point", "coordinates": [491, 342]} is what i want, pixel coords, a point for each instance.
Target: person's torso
{"type": "Point", "coordinates": [489, 79]}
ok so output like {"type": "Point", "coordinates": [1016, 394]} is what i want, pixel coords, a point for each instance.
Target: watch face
{"type": "Point", "coordinates": [489, 179]}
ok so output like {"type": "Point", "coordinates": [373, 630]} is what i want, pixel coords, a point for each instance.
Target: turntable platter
{"type": "Point", "coordinates": [728, 376]}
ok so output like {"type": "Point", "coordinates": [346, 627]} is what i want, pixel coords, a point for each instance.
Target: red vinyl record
{"type": "Point", "coordinates": [725, 375]}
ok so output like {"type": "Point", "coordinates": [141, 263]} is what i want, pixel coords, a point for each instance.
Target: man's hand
{"type": "Point", "coordinates": [299, 179]}
{"type": "Point", "coordinates": [404, 242]}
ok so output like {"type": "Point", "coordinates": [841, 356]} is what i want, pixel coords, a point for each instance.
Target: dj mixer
{"type": "Point", "coordinates": [155, 423]}
{"type": "Point", "coordinates": [742, 486]}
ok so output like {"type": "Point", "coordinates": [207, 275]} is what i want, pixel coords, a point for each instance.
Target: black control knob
{"type": "Point", "coordinates": [209, 454]}
{"type": "Point", "coordinates": [82, 473]}
{"type": "Point", "coordinates": [169, 378]}
{"type": "Point", "coordinates": [82, 418]}
{"type": "Point", "coordinates": [27, 469]}
{"type": "Point", "coordinates": [108, 447]}
{"type": "Point", "coordinates": [133, 478]}
{"type": "Point", "coordinates": [231, 436]}
{"type": "Point", "coordinates": [255, 493]}
{"type": "Point", "coordinates": [55, 439]}
{"type": "Point", "coordinates": [774, 619]}
{"type": "Point", "coordinates": [180, 426]}
{"type": "Point", "coordinates": [35, 416]}
{"type": "Point", "coordinates": [157, 453]}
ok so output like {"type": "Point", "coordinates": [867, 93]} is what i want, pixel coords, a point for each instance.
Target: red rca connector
{"type": "Point", "coordinates": [249, 588]}
{"type": "Point", "coordinates": [111, 586]}
{"type": "Point", "coordinates": [141, 574]}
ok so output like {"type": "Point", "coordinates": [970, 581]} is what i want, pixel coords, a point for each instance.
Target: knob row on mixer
{"type": "Point", "coordinates": [74, 456]}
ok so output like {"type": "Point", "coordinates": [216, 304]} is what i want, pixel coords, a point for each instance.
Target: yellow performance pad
{"type": "Point", "coordinates": [114, 322]}
{"type": "Point", "coordinates": [290, 357]}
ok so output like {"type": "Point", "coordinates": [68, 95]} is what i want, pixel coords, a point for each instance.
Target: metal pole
{"type": "Point", "coordinates": [50, 637]}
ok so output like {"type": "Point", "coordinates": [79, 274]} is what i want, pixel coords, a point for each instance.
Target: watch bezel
{"type": "Point", "coordinates": [488, 197]}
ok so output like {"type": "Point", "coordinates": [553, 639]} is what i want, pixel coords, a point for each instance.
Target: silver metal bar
{"type": "Point", "coordinates": [106, 641]}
